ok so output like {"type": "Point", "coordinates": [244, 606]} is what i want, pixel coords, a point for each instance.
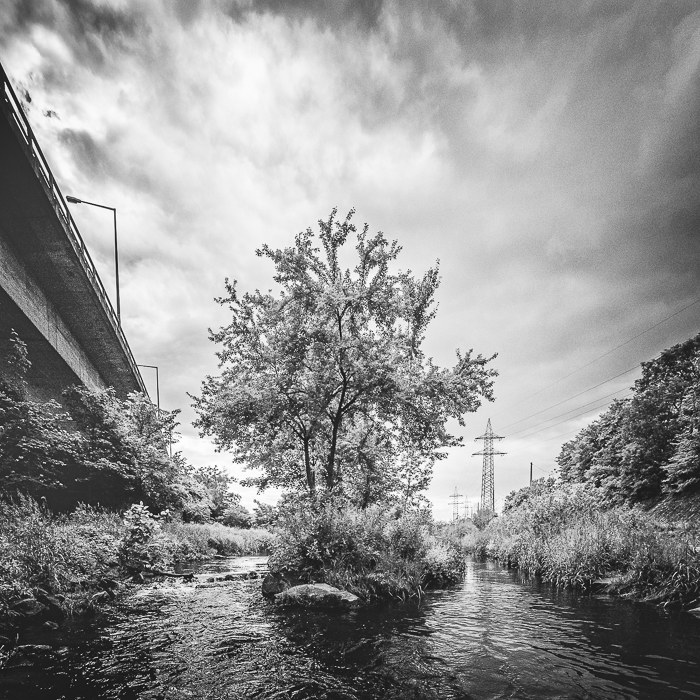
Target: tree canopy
{"type": "Point", "coordinates": [646, 445]}
{"type": "Point", "coordinates": [324, 386]}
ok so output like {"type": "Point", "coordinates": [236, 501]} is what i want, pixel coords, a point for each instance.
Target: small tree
{"type": "Point", "coordinates": [325, 386]}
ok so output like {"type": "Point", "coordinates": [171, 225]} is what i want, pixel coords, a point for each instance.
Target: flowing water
{"type": "Point", "coordinates": [495, 636]}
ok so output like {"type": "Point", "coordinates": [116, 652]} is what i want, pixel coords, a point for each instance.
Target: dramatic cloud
{"type": "Point", "coordinates": [547, 152]}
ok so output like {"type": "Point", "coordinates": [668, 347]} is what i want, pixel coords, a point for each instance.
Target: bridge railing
{"type": "Point", "coordinates": [18, 119]}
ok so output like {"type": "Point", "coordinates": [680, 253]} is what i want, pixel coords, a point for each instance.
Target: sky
{"type": "Point", "coordinates": [547, 152]}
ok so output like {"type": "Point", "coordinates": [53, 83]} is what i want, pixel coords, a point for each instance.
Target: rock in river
{"type": "Point", "coordinates": [317, 595]}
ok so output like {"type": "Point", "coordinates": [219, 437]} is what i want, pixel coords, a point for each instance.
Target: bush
{"type": "Point", "coordinates": [374, 553]}
{"type": "Point", "coordinates": [144, 545]}
{"type": "Point", "coordinates": [559, 533]}
{"type": "Point", "coordinates": [60, 555]}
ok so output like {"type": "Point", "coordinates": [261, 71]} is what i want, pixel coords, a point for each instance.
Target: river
{"type": "Point", "coordinates": [495, 636]}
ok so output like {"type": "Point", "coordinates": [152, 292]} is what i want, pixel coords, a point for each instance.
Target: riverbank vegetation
{"type": "Point", "coordinates": [374, 552]}
{"type": "Point", "coordinates": [91, 498]}
{"type": "Point", "coordinates": [623, 513]}
{"type": "Point", "coordinates": [325, 392]}
{"type": "Point", "coordinates": [559, 533]}
{"type": "Point", "coordinates": [79, 560]}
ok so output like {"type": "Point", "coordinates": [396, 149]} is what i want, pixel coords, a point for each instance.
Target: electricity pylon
{"type": "Point", "coordinates": [487, 494]}
{"type": "Point", "coordinates": [455, 504]}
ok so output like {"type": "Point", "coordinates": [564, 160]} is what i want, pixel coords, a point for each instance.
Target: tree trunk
{"type": "Point", "coordinates": [310, 476]}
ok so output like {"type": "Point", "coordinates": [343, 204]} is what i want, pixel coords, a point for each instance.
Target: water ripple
{"type": "Point", "coordinates": [497, 636]}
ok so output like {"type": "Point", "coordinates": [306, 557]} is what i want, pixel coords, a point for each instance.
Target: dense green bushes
{"type": "Point", "coordinates": [558, 532]}
{"type": "Point", "coordinates": [376, 552]}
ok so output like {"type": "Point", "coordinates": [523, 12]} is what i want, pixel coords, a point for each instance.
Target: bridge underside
{"type": "Point", "coordinates": [49, 291]}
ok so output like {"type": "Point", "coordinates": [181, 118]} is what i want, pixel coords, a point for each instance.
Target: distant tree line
{"type": "Point", "coordinates": [99, 449]}
{"type": "Point", "coordinates": [648, 445]}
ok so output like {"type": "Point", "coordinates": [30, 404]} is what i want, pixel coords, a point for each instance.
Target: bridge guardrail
{"type": "Point", "coordinates": [13, 108]}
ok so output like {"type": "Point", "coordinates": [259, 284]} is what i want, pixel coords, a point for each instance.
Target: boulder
{"type": "Point", "coordinates": [273, 584]}
{"type": "Point", "coordinates": [55, 612]}
{"type": "Point", "coordinates": [316, 595]}
{"type": "Point", "coordinates": [30, 609]}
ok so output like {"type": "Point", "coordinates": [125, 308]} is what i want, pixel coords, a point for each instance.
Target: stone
{"type": "Point", "coordinates": [273, 584]}
{"type": "Point", "coordinates": [51, 625]}
{"type": "Point", "coordinates": [53, 605]}
{"type": "Point", "coordinates": [316, 595]}
{"type": "Point", "coordinates": [30, 608]}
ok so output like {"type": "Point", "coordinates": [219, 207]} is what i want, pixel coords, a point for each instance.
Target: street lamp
{"type": "Point", "coordinates": [157, 384]}
{"type": "Point", "coordinates": [170, 441]}
{"type": "Point", "coordinates": [75, 200]}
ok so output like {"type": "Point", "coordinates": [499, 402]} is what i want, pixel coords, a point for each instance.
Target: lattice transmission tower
{"type": "Point", "coordinates": [488, 501]}
{"type": "Point", "coordinates": [455, 498]}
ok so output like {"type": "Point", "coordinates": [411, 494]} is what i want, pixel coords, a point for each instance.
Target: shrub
{"type": "Point", "coordinates": [65, 554]}
{"type": "Point", "coordinates": [144, 545]}
{"type": "Point", "coordinates": [559, 533]}
{"type": "Point", "coordinates": [374, 553]}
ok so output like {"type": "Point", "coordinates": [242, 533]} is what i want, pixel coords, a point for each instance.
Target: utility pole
{"type": "Point", "coordinates": [487, 481]}
{"type": "Point", "coordinates": [455, 504]}
{"type": "Point", "coordinates": [530, 473]}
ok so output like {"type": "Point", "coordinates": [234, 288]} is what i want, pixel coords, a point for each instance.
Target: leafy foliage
{"type": "Point", "coordinates": [143, 544]}
{"type": "Point", "coordinates": [647, 445]}
{"type": "Point", "coordinates": [373, 552]}
{"type": "Point", "coordinates": [97, 449]}
{"type": "Point", "coordinates": [324, 387]}
{"type": "Point", "coordinates": [57, 554]}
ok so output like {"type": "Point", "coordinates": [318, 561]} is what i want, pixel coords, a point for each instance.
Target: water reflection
{"type": "Point", "coordinates": [496, 636]}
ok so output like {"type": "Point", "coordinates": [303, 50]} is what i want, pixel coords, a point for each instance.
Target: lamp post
{"type": "Point", "coordinates": [170, 440]}
{"type": "Point", "coordinates": [157, 384]}
{"type": "Point", "coordinates": [75, 200]}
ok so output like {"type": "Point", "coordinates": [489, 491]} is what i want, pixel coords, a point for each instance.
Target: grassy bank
{"type": "Point", "coordinates": [560, 534]}
{"type": "Point", "coordinates": [80, 559]}
{"type": "Point", "coordinates": [374, 553]}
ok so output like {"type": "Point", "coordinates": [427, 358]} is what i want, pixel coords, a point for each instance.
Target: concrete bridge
{"type": "Point", "coordinates": [50, 292]}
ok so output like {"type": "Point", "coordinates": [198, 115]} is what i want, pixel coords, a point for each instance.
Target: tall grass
{"type": "Point", "coordinates": [198, 540]}
{"type": "Point", "coordinates": [60, 555]}
{"type": "Point", "coordinates": [374, 553]}
{"type": "Point", "coordinates": [69, 554]}
{"type": "Point", "coordinates": [563, 537]}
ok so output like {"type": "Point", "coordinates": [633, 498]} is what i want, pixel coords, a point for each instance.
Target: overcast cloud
{"type": "Point", "coordinates": [548, 153]}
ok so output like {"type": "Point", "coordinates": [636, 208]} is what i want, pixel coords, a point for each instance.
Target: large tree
{"type": "Point", "coordinates": [324, 386]}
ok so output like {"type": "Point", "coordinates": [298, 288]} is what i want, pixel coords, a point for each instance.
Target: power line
{"type": "Point", "coordinates": [532, 415]}
{"type": "Point", "coordinates": [517, 449]}
{"type": "Point", "coordinates": [600, 357]}
{"type": "Point", "coordinates": [568, 419]}
{"type": "Point", "coordinates": [565, 412]}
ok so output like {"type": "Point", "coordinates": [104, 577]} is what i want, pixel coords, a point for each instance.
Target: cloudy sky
{"type": "Point", "coordinates": [547, 152]}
